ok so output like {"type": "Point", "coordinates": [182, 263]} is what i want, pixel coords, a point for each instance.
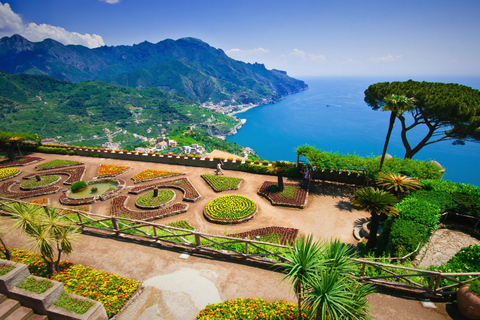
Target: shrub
{"type": "Point", "coordinates": [420, 211]}
{"type": "Point", "coordinates": [52, 150]}
{"type": "Point", "coordinates": [465, 260]}
{"type": "Point", "coordinates": [71, 152]}
{"type": "Point", "coordinates": [475, 286]}
{"type": "Point", "coordinates": [405, 236]}
{"type": "Point", "coordinates": [78, 185]}
{"type": "Point", "coordinates": [259, 169]}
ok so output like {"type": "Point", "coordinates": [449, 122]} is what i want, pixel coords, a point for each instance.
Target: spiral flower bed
{"type": "Point", "coordinates": [45, 181]}
{"type": "Point", "coordinates": [182, 184]}
{"type": "Point", "coordinates": [119, 209]}
{"type": "Point", "coordinates": [7, 173]}
{"type": "Point", "coordinates": [74, 174]}
{"type": "Point", "coordinates": [7, 193]}
{"type": "Point", "coordinates": [148, 201]}
{"type": "Point", "coordinates": [230, 209]}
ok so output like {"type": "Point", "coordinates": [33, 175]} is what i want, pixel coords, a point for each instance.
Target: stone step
{"type": "Point", "coordinates": [21, 313]}
{"type": "Point", "coordinates": [2, 297]}
{"type": "Point", "coordinates": [38, 317]}
{"type": "Point", "coordinates": [7, 307]}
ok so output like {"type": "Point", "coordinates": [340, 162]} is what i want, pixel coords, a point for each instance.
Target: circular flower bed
{"type": "Point", "coordinates": [230, 209]}
{"type": "Point", "coordinates": [34, 183]}
{"type": "Point", "coordinates": [6, 173]}
{"type": "Point", "coordinates": [148, 201]}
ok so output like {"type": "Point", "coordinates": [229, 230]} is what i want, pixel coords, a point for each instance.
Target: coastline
{"type": "Point", "coordinates": [243, 110]}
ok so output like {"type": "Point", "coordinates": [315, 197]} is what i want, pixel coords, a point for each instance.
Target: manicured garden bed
{"type": "Point", "coordinates": [230, 209]}
{"type": "Point", "coordinates": [222, 183]}
{"type": "Point", "coordinates": [45, 181]}
{"type": "Point", "coordinates": [293, 194]}
{"type": "Point", "coordinates": [20, 161]}
{"type": "Point", "coordinates": [250, 309]}
{"type": "Point", "coordinates": [7, 173]}
{"type": "Point", "coordinates": [182, 184]}
{"type": "Point", "coordinates": [280, 235]}
{"type": "Point", "coordinates": [148, 201]}
{"type": "Point", "coordinates": [150, 174]}
{"type": "Point", "coordinates": [119, 209]}
{"type": "Point", "coordinates": [57, 164]}
{"type": "Point", "coordinates": [7, 193]}
{"type": "Point", "coordinates": [74, 174]}
{"type": "Point", "coordinates": [110, 170]}
{"type": "Point", "coordinates": [112, 290]}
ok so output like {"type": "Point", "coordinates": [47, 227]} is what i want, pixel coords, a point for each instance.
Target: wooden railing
{"type": "Point", "coordinates": [242, 248]}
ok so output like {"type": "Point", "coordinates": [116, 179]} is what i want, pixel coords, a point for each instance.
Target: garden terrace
{"type": "Point", "coordinates": [149, 175]}
{"type": "Point", "coordinates": [7, 173]}
{"type": "Point", "coordinates": [222, 183]}
{"type": "Point", "coordinates": [120, 210]}
{"type": "Point", "coordinates": [74, 174]}
{"type": "Point", "coordinates": [54, 164]}
{"type": "Point", "coordinates": [7, 193]}
{"type": "Point", "coordinates": [20, 161]}
{"type": "Point", "coordinates": [182, 184]}
{"type": "Point", "coordinates": [287, 235]}
{"type": "Point", "coordinates": [293, 194]}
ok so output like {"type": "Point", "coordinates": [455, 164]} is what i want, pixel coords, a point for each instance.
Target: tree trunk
{"type": "Point", "coordinates": [280, 182]}
{"type": "Point", "coordinates": [11, 153]}
{"type": "Point", "coordinates": [372, 238]}
{"type": "Point", "coordinates": [57, 263]}
{"type": "Point", "coordinates": [387, 140]}
{"type": "Point", "coordinates": [50, 265]}
{"type": "Point", "coordinates": [298, 291]}
{"type": "Point", "coordinates": [6, 252]}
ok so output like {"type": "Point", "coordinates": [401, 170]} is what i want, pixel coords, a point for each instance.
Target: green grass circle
{"type": "Point", "coordinates": [148, 200]}
{"type": "Point", "coordinates": [33, 183]}
{"type": "Point", "coordinates": [230, 208]}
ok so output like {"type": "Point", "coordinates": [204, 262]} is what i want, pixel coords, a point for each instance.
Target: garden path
{"type": "Point", "coordinates": [442, 246]}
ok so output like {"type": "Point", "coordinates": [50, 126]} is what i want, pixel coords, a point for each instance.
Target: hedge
{"type": "Point", "coordinates": [405, 236]}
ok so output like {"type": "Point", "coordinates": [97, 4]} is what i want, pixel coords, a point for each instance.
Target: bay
{"type": "Point", "coordinates": [332, 116]}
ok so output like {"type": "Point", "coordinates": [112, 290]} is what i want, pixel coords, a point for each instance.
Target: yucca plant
{"type": "Point", "coordinates": [398, 183]}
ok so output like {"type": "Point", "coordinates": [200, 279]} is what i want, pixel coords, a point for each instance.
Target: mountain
{"type": "Point", "coordinates": [83, 113]}
{"type": "Point", "coordinates": [186, 66]}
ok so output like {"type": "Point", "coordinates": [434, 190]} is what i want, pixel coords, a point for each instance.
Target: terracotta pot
{"type": "Point", "coordinates": [468, 303]}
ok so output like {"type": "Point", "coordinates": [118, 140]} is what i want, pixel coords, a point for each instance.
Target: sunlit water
{"type": "Point", "coordinates": [87, 192]}
{"type": "Point", "coordinates": [331, 115]}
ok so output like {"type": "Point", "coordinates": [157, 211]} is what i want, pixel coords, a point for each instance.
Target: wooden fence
{"type": "Point", "coordinates": [260, 252]}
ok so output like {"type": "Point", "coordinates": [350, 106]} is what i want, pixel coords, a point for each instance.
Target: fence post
{"type": "Point", "coordinates": [437, 283]}
{"type": "Point", "coordinates": [115, 226]}
{"type": "Point", "coordinates": [362, 272]}
{"type": "Point", "coordinates": [246, 247]}
{"type": "Point", "coordinates": [432, 282]}
{"type": "Point", "coordinates": [80, 219]}
{"type": "Point", "coordinates": [197, 241]}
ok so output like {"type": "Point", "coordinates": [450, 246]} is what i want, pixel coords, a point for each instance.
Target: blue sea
{"type": "Point", "coordinates": [332, 116]}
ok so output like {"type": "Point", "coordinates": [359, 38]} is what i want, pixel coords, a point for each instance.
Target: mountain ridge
{"type": "Point", "coordinates": [187, 66]}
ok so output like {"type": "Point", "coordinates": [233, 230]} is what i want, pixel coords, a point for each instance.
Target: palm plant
{"type": "Point", "coordinates": [399, 183]}
{"type": "Point", "coordinates": [331, 294]}
{"type": "Point", "coordinates": [278, 168]}
{"type": "Point", "coordinates": [302, 261]}
{"type": "Point", "coordinates": [48, 231]}
{"type": "Point", "coordinates": [397, 104]}
{"type": "Point", "coordinates": [375, 202]}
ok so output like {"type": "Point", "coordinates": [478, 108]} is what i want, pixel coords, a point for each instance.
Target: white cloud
{"type": "Point", "coordinates": [308, 56]}
{"type": "Point", "coordinates": [111, 1]}
{"type": "Point", "coordinates": [38, 32]}
{"type": "Point", "coordinates": [241, 52]}
{"type": "Point", "coordinates": [11, 23]}
{"type": "Point", "coordinates": [388, 58]}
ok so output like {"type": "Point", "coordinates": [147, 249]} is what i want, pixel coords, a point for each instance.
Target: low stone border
{"type": "Point", "coordinates": [300, 200]}
{"type": "Point", "coordinates": [41, 187]}
{"type": "Point", "coordinates": [163, 205]}
{"type": "Point", "coordinates": [12, 176]}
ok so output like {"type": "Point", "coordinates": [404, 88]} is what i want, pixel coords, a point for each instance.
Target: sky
{"type": "Point", "coordinates": [303, 37]}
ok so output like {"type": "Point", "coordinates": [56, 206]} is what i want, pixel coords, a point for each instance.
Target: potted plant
{"type": "Point", "coordinates": [190, 156]}
{"type": "Point", "coordinates": [256, 162]}
{"type": "Point", "coordinates": [265, 162]}
{"type": "Point", "coordinates": [248, 161]}
{"type": "Point", "coordinates": [197, 156]}
{"type": "Point", "coordinates": [468, 300]}
{"type": "Point", "coordinates": [207, 158]}
{"type": "Point", "coordinates": [125, 151]}
{"type": "Point", "coordinates": [238, 160]}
